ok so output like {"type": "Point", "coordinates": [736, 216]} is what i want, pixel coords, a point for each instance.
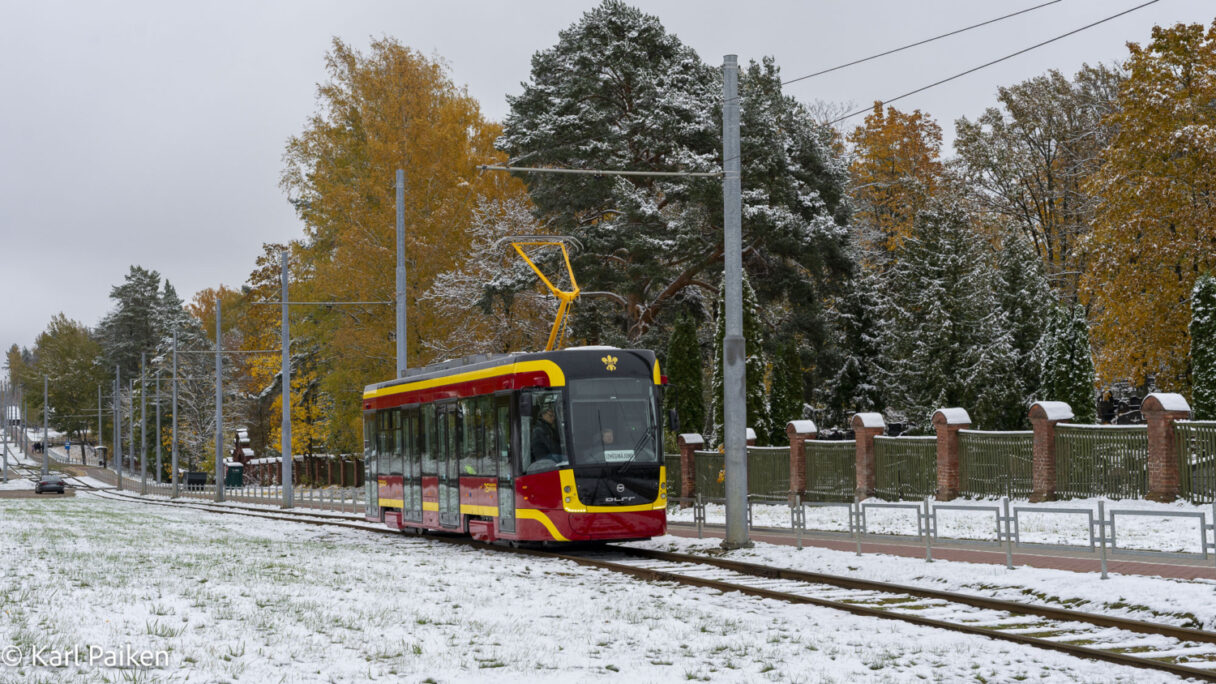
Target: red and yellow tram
{"type": "Point", "coordinates": [550, 446]}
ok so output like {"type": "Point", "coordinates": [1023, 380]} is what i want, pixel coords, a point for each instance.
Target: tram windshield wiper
{"type": "Point", "coordinates": [637, 447]}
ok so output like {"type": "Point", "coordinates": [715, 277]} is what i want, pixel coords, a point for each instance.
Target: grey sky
{"type": "Point", "coordinates": [151, 132]}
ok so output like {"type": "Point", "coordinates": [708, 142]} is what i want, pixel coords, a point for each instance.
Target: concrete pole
{"type": "Point", "coordinates": [734, 353]}
{"type": "Point", "coordinates": [156, 432]}
{"type": "Point", "coordinates": [117, 455]}
{"type": "Point", "coordinates": [219, 407]}
{"type": "Point", "coordinates": [46, 442]}
{"type": "Point", "coordinates": [4, 427]}
{"type": "Point", "coordinates": [143, 424]}
{"type": "Point", "coordinates": [99, 428]}
{"type": "Point", "coordinates": [285, 342]}
{"type": "Point", "coordinates": [402, 364]}
{"type": "Point", "coordinates": [173, 432]}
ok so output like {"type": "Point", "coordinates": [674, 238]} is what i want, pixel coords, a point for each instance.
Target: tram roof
{"type": "Point", "coordinates": [483, 361]}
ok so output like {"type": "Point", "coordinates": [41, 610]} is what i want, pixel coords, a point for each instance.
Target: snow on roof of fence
{"type": "Point", "coordinates": [803, 427]}
{"type": "Point", "coordinates": [1169, 401]}
{"type": "Point", "coordinates": [954, 416]}
{"type": "Point", "coordinates": [1054, 410]}
{"type": "Point", "coordinates": [869, 420]}
{"type": "Point", "coordinates": [246, 451]}
{"type": "Point", "coordinates": [692, 438]}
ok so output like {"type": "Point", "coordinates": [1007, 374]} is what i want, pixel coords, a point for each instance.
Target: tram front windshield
{"type": "Point", "coordinates": [612, 420]}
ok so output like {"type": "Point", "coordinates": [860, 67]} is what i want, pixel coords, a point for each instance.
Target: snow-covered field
{"type": "Point", "coordinates": [1136, 532]}
{"type": "Point", "coordinates": [237, 599]}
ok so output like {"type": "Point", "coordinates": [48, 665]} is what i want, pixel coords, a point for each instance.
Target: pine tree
{"type": "Point", "coordinates": [1068, 366]}
{"type": "Point", "coordinates": [756, 365]}
{"type": "Point", "coordinates": [1027, 301]}
{"type": "Point", "coordinates": [1203, 347]}
{"type": "Point", "coordinates": [785, 402]}
{"type": "Point", "coordinates": [685, 375]}
{"type": "Point", "coordinates": [130, 328]}
{"type": "Point", "coordinates": [858, 318]}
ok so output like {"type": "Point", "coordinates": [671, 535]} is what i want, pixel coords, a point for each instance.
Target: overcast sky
{"type": "Point", "coordinates": [152, 132]}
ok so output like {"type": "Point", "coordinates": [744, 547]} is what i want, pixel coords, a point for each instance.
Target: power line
{"type": "Point", "coordinates": [601, 172]}
{"type": "Point", "coordinates": [995, 61]}
{"type": "Point", "coordinates": [919, 43]}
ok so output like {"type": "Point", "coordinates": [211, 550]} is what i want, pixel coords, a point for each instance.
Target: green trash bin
{"type": "Point", "coordinates": [234, 475]}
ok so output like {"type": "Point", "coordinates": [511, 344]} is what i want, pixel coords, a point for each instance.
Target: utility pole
{"type": "Point", "coordinates": [219, 407]}
{"type": "Point", "coordinates": [402, 364]}
{"type": "Point", "coordinates": [734, 352]}
{"type": "Point", "coordinates": [143, 424]}
{"type": "Point", "coordinates": [285, 342]}
{"type": "Point", "coordinates": [46, 442]}
{"type": "Point", "coordinates": [4, 428]}
{"type": "Point", "coordinates": [131, 427]}
{"type": "Point", "coordinates": [99, 429]}
{"type": "Point", "coordinates": [173, 433]}
{"type": "Point", "coordinates": [118, 426]}
{"type": "Point", "coordinates": [159, 469]}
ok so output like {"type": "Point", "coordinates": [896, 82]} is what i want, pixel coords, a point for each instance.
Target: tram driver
{"type": "Point", "coordinates": [546, 440]}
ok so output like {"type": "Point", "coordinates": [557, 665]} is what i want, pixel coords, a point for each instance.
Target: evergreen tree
{"type": "Point", "coordinates": [685, 375]}
{"type": "Point", "coordinates": [943, 335]}
{"type": "Point", "coordinates": [1026, 299]}
{"type": "Point", "coordinates": [1068, 366]}
{"type": "Point", "coordinates": [858, 317]}
{"type": "Point", "coordinates": [1203, 347]}
{"type": "Point", "coordinates": [130, 328]}
{"type": "Point", "coordinates": [785, 402]}
{"type": "Point", "coordinates": [756, 397]}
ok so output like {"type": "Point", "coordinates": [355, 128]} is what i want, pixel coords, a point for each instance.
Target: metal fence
{"type": "Point", "coordinates": [768, 472]}
{"type": "Point", "coordinates": [906, 467]}
{"type": "Point", "coordinates": [1195, 442]}
{"type": "Point", "coordinates": [995, 463]}
{"type": "Point", "coordinates": [1101, 460]}
{"type": "Point", "coordinates": [831, 470]}
{"type": "Point", "coordinates": [674, 476]}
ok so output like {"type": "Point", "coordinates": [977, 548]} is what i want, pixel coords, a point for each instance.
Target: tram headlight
{"type": "Point", "coordinates": [567, 499]}
{"type": "Point", "coordinates": [567, 490]}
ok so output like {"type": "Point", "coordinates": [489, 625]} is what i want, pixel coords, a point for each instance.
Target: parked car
{"type": "Point", "coordinates": [50, 483]}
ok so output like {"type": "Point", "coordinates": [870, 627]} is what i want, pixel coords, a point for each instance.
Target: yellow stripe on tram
{"type": "Point", "coordinates": [473, 509]}
{"type": "Point", "coordinates": [557, 378]}
{"type": "Point", "coordinates": [533, 514]}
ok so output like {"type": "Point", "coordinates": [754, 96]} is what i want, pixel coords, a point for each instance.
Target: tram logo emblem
{"type": "Point", "coordinates": [620, 489]}
{"type": "Point", "coordinates": [610, 362]}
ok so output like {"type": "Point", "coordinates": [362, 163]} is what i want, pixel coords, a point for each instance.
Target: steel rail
{"type": "Point", "coordinates": [778, 573]}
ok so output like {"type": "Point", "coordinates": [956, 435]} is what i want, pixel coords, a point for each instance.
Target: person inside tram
{"type": "Point", "coordinates": [546, 441]}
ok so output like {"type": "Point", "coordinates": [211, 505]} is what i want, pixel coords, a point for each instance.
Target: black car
{"type": "Point", "coordinates": [50, 483]}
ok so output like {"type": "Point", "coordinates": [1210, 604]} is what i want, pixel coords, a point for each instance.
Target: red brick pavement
{"type": "Point", "coordinates": [1076, 562]}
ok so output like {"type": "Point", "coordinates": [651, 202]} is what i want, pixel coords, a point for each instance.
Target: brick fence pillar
{"type": "Point", "coordinates": [751, 437]}
{"type": "Point", "coordinates": [1160, 411]}
{"type": "Point", "coordinates": [1043, 418]}
{"type": "Point", "coordinates": [798, 432]}
{"type": "Point", "coordinates": [946, 423]}
{"type": "Point", "coordinates": [689, 443]}
{"type": "Point", "coordinates": [865, 427]}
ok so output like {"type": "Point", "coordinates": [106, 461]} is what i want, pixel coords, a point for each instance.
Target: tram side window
{"type": "Point", "coordinates": [384, 442]}
{"type": "Point", "coordinates": [413, 446]}
{"type": "Point", "coordinates": [503, 433]}
{"type": "Point", "coordinates": [398, 444]}
{"type": "Point", "coordinates": [486, 462]}
{"type": "Point", "coordinates": [426, 441]}
{"type": "Point", "coordinates": [544, 433]}
{"type": "Point", "coordinates": [470, 438]}
{"type": "Point", "coordinates": [369, 444]}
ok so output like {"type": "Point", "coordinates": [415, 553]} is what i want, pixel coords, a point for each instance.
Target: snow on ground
{"type": "Point", "coordinates": [241, 599]}
{"type": "Point", "coordinates": [1137, 532]}
{"type": "Point", "coordinates": [16, 483]}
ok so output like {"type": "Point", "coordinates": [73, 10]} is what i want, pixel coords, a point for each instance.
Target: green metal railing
{"type": "Point", "coordinates": [906, 467]}
{"type": "Point", "coordinates": [708, 466]}
{"type": "Point", "coordinates": [1195, 444]}
{"type": "Point", "coordinates": [831, 470]}
{"type": "Point", "coordinates": [1101, 460]}
{"type": "Point", "coordinates": [995, 463]}
{"type": "Point", "coordinates": [768, 472]}
{"type": "Point", "coordinates": [672, 463]}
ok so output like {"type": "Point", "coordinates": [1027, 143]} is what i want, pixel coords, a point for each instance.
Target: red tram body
{"type": "Point", "coordinates": [559, 446]}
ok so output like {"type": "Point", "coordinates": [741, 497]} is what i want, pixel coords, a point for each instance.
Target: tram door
{"type": "Point", "coordinates": [371, 484]}
{"type": "Point", "coordinates": [506, 484]}
{"type": "Point", "coordinates": [412, 490]}
{"type": "Point", "coordinates": [449, 468]}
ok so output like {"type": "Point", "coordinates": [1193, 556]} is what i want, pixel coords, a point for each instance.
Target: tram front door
{"type": "Point", "coordinates": [449, 470]}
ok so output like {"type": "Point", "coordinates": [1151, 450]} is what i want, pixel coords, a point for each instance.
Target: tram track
{"type": "Point", "coordinates": [1177, 650]}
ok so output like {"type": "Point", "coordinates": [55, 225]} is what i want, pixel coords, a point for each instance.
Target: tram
{"type": "Point", "coordinates": [558, 446]}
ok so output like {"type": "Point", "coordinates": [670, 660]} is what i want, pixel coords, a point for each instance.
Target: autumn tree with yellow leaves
{"type": "Point", "coordinates": [895, 172]}
{"type": "Point", "coordinates": [1155, 225]}
{"type": "Point", "coordinates": [379, 111]}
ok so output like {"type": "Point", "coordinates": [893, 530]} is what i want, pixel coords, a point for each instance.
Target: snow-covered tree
{"type": "Point", "coordinates": [856, 386]}
{"type": "Point", "coordinates": [1203, 347]}
{"type": "Point", "coordinates": [1027, 301]}
{"type": "Point", "coordinates": [130, 327]}
{"type": "Point", "coordinates": [755, 367]}
{"type": "Point", "coordinates": [785, 400]}
{"type": "Point", "coordinates": [1068, 365]}
{"type": "Point", "coordinates": [685, 375]}
{"type": "Point", "coordinates": [618, 91]}
{"type": "Point", "coordinates": [943, 336]}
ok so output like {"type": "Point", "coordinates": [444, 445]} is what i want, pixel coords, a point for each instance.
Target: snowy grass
{"type": "Point", "coordinates": [1144, 533]}
{"type": "Point", "coordinates": [239, 599]}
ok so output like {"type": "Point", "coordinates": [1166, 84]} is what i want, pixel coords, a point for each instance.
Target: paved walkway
{"type": "Point", "coordinates": [1076, 561]}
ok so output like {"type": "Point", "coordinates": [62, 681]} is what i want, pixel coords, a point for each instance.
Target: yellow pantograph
{"type": "Point", "coordinates": [565, 299]}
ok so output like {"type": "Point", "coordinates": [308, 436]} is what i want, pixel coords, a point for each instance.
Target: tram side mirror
{"type": "Point", "coordinates": [525, 404]}
{"type": "Point", "coordinates": [673, 421]}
